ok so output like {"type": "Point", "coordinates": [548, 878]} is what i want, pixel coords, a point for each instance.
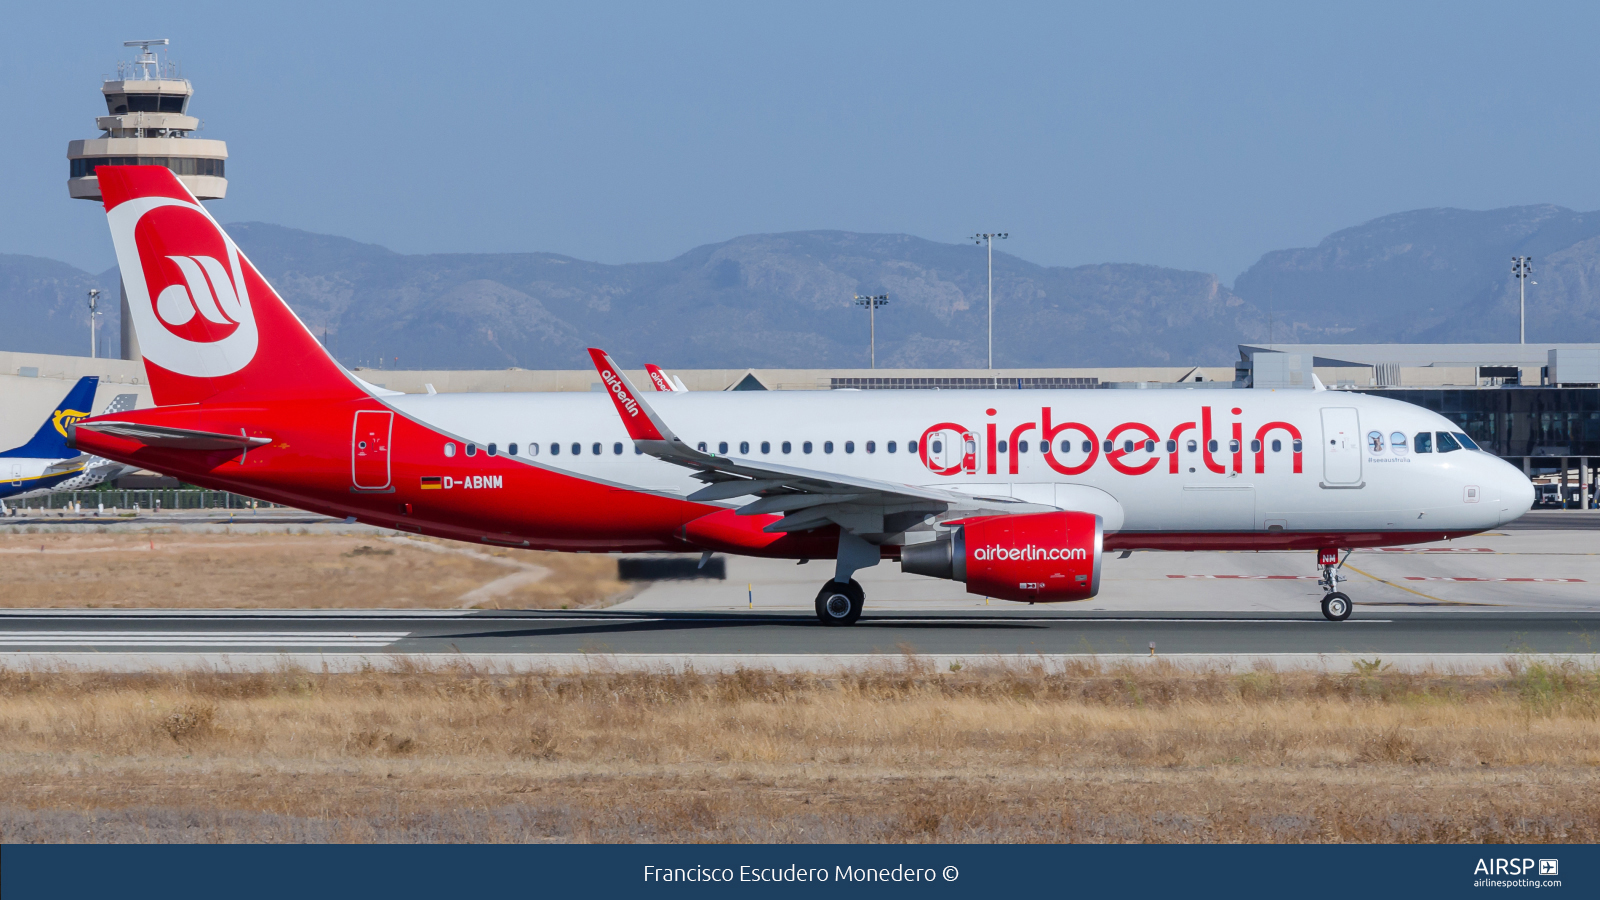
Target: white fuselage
{"type": "Point", "coordinates": [1348, 481]}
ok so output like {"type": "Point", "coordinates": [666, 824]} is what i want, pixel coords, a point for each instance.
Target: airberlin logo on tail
{"type": "Point", "coordinates": [186, 288]}
{"type": "Point", "coordinates": [206, 290]}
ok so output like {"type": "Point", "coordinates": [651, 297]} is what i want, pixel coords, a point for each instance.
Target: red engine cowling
{"type": "Point", "coordinates": [1035, 557]}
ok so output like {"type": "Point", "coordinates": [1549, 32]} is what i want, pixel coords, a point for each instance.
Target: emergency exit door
{"type": "Point", "coordinates": [369, 450]}
{"type": "Point", "coordinates": [1341, 447]}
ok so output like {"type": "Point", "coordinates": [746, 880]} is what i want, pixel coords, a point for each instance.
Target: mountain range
{"type": "Point", "coordinates": [786, 300]}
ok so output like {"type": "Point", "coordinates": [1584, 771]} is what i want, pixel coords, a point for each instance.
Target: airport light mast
{"type": "Point", "coordinates": [1521, 268]}
{"type": "Point", "coordinates": [94, 313]}
{"type": "Point", "coordinates": [148, 124]}
{"type": "Point", "coordinates": [872, 304]}
{"type": "Point", "coordinates": [978, 239]}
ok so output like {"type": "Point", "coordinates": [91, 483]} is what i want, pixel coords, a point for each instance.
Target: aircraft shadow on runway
{"type": "Point", "coordinates": [711, 621]}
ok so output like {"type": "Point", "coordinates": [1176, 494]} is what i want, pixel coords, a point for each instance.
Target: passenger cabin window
{"type": "Point", "coordinates": [1277, 445]}
{"type": "Point", "coordinates": [1107, 447]}
{"type": "Point", "coordinates": [849, 446]}
{"type": "Point", "coordinates": [555, 449]}
{"type": "Point", "coordinates": [936, 447]}
{"type": "Point", "coordinates": [616, 449]}
{"type": "Point", "coordinates": [1127, 446]}
{"type": "Point", "coordinates": [472, 449]}
{"type": "Point", "coordinates": [889, 447]}
{"type": "Point", "coordinates": [786, 446]}
{"type": "Point", "coordinates": [1297, 445]}
{"type": "Point", "coordinates": [766, 446]}
{"type": "Point", "coordinates": [827, 446]}
{"type": "Point", "coordinates": [1233, 446]}
{"type": "Point", "coordinates": [701, 446]}
{"type": "Point", "coordinates": [577, 449]}
{"type": "Point", "coordinates": [493, 450]}
{"type": "Point", "coordinates": [744, 446]}
{"type": "Point", "coordinates": [1022, 446]}
{"type": "Point", "coordinates": [1149, 446]}
{"type": "Point", "coordinates": [511, 448]}
{"type": "Point", "coordinates": [533, 449]}
{"type": "Point", "coordinates": [449, 448]}
{"type": "Point", "coordinates": [1001, 446]}
{"type": "Point", "coordinates": [1447, 443]}
{"type": "Point", "coordinates": [1212, 446]}
{"type": "Point", "coordinates": [722, 447]}
{"type": "Point", "coordinates": [1172, 446]}
{"type": "Point", "coordinates": [595, 449]}
{"type": "Point", "coordinates": [1424, 443]}
{"type": "Point", "coordinates": [1397, 442]}
{"type": "Point", "coordinates": [1193, 446]}
{"type": "Point", "coordinates": [911, 446]}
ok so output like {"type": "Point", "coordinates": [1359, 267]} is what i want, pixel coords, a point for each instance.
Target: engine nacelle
{"type": "Point", "coordinates": [1034, 557]}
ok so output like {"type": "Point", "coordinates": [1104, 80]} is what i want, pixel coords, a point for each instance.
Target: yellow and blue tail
{"type": "Point", "coordinates": [50, 442]}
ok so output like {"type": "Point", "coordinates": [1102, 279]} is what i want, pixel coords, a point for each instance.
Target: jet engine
{"type": "Point", "coordinates": [1033, 557]}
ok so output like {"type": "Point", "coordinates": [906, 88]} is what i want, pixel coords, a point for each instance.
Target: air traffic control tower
{"type": "Point", "coordinates": [147, 124]}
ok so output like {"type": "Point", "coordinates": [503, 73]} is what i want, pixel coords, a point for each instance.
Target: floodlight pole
{"type": "Point", "coordinates": [872, 303]}
{"type": "Point", "coordinates": [1521, 267]}
{"type": "Point", "coordinates": [979, 239]}
{"type": "Point", "coordinates": [94, 301]}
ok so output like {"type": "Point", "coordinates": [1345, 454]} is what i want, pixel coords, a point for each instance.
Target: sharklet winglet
{"type": "Point", "coordinates": [641, 421]}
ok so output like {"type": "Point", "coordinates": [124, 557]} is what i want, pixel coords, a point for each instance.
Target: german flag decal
{"type": "Point", "coordinates": [432, 482]}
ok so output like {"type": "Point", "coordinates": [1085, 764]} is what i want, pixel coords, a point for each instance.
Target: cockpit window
{"type": "Point", "coordinates": [1424, 443]}
{"type": "Point", "coordinates": [1466, 442]}
{"type": "Point", "coordinates": [1447, 443]}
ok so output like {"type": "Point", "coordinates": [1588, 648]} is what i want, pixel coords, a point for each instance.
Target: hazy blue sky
{"type": "Point", "coordinates": [1189, 135]}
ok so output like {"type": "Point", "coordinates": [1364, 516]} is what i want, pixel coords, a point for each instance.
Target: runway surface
{"type": "Point", "coordinates": [998, 632]}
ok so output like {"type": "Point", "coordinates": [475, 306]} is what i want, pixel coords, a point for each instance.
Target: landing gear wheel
{"type": "Point", "coordinates": [1336, 606]}
{"type": "Point", "coordinates": [840, 604]}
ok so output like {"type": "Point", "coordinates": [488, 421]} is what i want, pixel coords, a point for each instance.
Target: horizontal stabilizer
{"type": "Point", "coordinates": [176, 438]}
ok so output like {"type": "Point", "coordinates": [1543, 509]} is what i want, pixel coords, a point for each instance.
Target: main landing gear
{"type": "Point", "coordinates": [1336, 604]}
{"type": "Point", "coordinates": [840, 604]}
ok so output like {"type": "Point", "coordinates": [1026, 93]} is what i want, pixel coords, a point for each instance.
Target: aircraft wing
{"type": "Point", "coordinates": [807, 498]}
{"type": "Point", "coordinates": [175, 438]}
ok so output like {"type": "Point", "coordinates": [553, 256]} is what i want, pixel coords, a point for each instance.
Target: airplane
{"type": "Point", "coordinates": [47, 463]}
{"type": "Point", "coordinates": [1017, 494]}
{"type": "Point", "coordinates": [663, 382]}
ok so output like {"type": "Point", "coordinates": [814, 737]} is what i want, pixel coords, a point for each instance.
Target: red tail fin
{"type": "Point", "coordinates": [209, 326]}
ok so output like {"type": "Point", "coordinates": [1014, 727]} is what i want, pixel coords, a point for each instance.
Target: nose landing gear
{"type": "Point", "coordinates": [1336, 604]}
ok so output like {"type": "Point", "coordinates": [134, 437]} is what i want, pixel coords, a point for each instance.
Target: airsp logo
{"type": "Point", "coordinates": [186, 289]}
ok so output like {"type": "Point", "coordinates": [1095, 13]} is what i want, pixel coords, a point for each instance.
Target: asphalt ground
{"type": "Point", "coordinates": [1531, 588]}
{"type": "Point", "coordinates": [997, 632]}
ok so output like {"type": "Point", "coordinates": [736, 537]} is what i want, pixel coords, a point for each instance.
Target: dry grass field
{"type": "Point", "coordinates": [905, 754]}
{"type": "Point", "coordinates": [291, 569]}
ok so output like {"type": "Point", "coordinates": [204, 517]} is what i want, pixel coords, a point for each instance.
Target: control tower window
{"type": "Point", "coordinates": [119, 104]}
{"type": "Point", "coordinates": [180, 165]}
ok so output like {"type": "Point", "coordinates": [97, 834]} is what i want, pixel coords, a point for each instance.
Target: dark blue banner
{"type": "Point", "coordinates": [1175, 871]}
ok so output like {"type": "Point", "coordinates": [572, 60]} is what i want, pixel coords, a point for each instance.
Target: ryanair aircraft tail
{"type": "Point", "coordinates": [50, 442]}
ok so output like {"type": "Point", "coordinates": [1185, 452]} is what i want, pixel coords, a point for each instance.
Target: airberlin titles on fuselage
{"type": "Point", "coordinates": [1219, 454]}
